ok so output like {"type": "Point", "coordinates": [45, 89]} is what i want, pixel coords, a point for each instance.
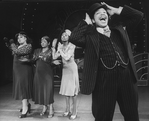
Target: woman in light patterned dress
{"type": "Point", "coordinates": [70, 80]}
{"type": "Point", "coordinates": [22, 71]}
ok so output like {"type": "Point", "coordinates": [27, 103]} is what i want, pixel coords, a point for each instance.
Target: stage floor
{"type": "Point", "coordinates": [9, 108]}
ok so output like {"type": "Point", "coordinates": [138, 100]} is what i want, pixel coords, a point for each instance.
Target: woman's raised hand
{"type": "Point", "coordinates": [54, 42]}
{"type": "Point", "coordinates": [59, 46]}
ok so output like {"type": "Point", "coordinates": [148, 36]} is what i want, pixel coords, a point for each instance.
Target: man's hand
{"type": "Point", "coordinates": [88, 19]}
{"type": "Point", "coordinates": [112, 10]}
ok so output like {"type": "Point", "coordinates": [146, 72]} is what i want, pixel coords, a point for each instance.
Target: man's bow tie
{"type": "Point", "coordinates": [107, 31]}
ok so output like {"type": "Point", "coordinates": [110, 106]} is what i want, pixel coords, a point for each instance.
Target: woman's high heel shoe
{"type": "Point", "coordinates": [51, 115]}
{"type": "Point", "coordinates": [44, 112]}
{"type": "Point", "coordinates": [29, 108]}
{"type": "Point", "coordinates": [72, 117]}
{"type": "Point", "coordinates": [23, 115]}
{"type": "Point", "coordinates": [51, 112]}
{"type": "Point", "coordinates": [66, 113]}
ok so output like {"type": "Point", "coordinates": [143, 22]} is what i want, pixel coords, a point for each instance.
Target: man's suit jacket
{"type": "Point", "coordinates": [84, 36]}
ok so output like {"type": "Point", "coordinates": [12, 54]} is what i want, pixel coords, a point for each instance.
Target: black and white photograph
{"type": "Point", "coordinates": [81, 60]}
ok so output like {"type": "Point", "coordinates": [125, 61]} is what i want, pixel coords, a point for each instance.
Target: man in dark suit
{"type": "Point", "coordinates": [109, 71]}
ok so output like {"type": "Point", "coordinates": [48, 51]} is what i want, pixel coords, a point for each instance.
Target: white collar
{"type": "Point", "coordinates": [101, 30]}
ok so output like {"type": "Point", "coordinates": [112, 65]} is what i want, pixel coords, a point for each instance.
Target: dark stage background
{"type": "Point", "coordinates": [49, 17]}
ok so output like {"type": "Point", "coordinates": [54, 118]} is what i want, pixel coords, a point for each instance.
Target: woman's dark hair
{"type": "Point", "coordinates": [62, 31]}
{"type": "Point", "coordinates": [47, 38]}
{"type": "Point", "coordinates": [28, 39]}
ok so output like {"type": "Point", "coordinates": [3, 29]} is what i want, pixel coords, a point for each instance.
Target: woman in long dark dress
{"type": "Point", "coordinates": [43, 79]}
{"type": "Point", "coordinates": [22, 71]}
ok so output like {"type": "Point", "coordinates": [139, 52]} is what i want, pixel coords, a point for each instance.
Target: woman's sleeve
{"type": "Point", "coordinates": [23, 50]}
{"type": "Point", "coordinates": [35, 55]}
{"type": "Point", "coordinates": [69, 53]}
{"type": "Point", "coordinates": [55, 54]}
{"type": "Point", "coordinates": [130, 17]}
